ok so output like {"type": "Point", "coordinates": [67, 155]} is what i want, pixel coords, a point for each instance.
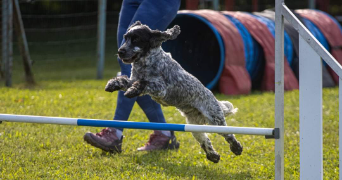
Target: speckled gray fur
{"type": "Point", "coordinates": [155, 73]}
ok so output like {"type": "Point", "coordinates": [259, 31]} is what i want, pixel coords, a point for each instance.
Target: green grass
{"type": "Point", "coordinates": [66, 89]}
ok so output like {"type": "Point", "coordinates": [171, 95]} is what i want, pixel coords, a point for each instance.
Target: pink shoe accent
{"type": "Point", "coordinates": [159, 141]}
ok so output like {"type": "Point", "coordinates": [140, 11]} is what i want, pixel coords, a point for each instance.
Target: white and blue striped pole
{"type": "Point", "coordinates": [268, 132]}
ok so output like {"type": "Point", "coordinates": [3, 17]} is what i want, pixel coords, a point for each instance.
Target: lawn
{"type": "Point", "coordinates": [66, 89]}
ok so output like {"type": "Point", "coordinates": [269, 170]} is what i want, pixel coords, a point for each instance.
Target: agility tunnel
{"type": "Point", "coordinates": [211, 48]}
{"type": "Point", "coordinates": [253, 51]}
{"type": "Point", "coordinates": [330, 29]}
{"type": "Point", "coordinates": [293, 34]}
{"type": "Point", "coordinates": [317, 33]}
{"type": "Point", "coordinates": [264, 37]}
{"type": "Point", "coordinates": [234, 51]}
{"type": "Point", "coordinates": [290, 32]}
{"type": "Point", "coordinates": [288, 47]}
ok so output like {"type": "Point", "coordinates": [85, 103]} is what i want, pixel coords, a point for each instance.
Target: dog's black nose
{"type": "Point", "coordinates": [121, 52]}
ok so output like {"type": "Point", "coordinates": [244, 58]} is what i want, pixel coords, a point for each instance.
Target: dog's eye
{"type": "Point", "coordinates": [134, 39]}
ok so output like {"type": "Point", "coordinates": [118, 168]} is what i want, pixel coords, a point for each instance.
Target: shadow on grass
{"type": "Point", "coordinates": [184, 167]}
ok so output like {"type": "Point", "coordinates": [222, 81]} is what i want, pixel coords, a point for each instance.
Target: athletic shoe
{"type": "Point", "coordinates": [159, 141]}
{"type": "Point", "coordinates": [105, 140]}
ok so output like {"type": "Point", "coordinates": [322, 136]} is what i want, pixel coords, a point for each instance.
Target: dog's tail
{"type": "Point", "coordinates": [227, 108]}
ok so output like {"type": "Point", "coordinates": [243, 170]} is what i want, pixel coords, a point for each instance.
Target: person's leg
{"type": "Point", "coordinates": [127, 12]}
{"type": "Point", "coordinates": [152, 109]}
{"type": "Point", "coordinates": [110, 139]}
{"type": "Point", "coordinates": [124, 105]}
{"type": "Point", "coordinates": [156, 16]}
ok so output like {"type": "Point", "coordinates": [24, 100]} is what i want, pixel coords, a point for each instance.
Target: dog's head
{"type": "Point", "coordinates": [140, 39]}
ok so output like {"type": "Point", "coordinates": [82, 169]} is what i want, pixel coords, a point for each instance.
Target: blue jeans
{"type": "Point", "coordinates": [157, 14]}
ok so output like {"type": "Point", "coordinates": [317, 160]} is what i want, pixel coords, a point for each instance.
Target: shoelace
{"type": "Point", "coordinates": [104, 131]}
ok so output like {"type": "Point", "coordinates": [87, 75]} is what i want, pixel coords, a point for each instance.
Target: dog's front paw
{"type": "Point", "coordinates": [117, 83]}
{"type": "Point", "coordinates": [132, 92]}
{"type": "Point", "coordinates": [112, 85]}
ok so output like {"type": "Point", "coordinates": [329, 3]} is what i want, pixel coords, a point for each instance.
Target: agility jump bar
{"type": "Point", "coordinates": [267, 132]}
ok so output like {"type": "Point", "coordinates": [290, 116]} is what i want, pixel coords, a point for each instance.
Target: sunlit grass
{"type": "Point", "coordinates": [34, 151]}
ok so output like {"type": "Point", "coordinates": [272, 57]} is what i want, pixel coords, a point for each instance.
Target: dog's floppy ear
{"type": "Point", "coordinates": [134, 24]}
{"type": "Point", "coordinates": [158, 37]}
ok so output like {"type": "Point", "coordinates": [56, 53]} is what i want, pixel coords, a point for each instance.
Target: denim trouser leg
{"type": "Point", "coordinates": [157, 15]}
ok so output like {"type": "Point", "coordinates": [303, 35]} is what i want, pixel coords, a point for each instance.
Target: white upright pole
{"type": "Point", "coordinates": [279, 90]}
{"type": "Point", "coordinates": [310, 112]}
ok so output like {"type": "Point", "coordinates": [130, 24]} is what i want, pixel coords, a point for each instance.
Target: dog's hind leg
{"type": "Point", "coordinates": [206, 145]}
{"type": "Point", "coordinates": [205, 142]}
{"type": "Point", "coordinates": [216, 117]}
{"type": "Point", "coordinates": [235, 145]}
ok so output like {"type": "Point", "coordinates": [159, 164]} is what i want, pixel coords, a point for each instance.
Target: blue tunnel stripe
{"type": "Point", "coordinates": [251, 48]}
{"type": "Point", "coordinates": [288, 47]}
{"type": "Point", "coordinates": [131, 125]}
